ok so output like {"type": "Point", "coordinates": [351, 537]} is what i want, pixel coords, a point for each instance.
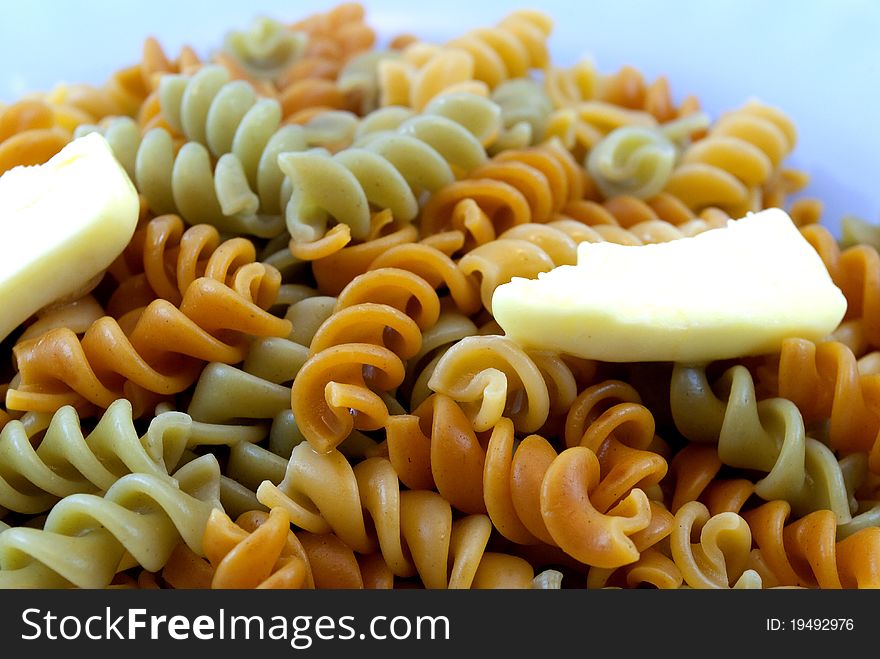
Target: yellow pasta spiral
{"type": "Point", "coordinates": [491, 377]}
{"type": "Point", "coordinates": [741, 152]}
{"type": "Point", "coordinates": [514, 187]}
{"type": "Point", "coordinates": [477, 61]}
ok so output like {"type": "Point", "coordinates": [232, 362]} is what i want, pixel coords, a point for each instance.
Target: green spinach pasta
{"type": "Point", "coordinates": [292, 376]}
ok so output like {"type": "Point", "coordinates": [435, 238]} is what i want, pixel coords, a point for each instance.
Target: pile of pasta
{"type": "Point", "coordinates": [292, 378]}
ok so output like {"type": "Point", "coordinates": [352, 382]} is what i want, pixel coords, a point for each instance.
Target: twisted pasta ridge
{"type": "Point", "coordinates": [159, 349]}
{"type": "Point", "coordinates": [807, 552]}
{"type": "Point", "coordinates": [69, 460]}
{"type": "Point", "coordinates": [187, 182]}
{"type": "Point", "coordinates": [86, 538]}
{"type": "Point", "coordinates": [414, 530]}
{"type": "Point", "coordinates": [259, 542]}
{"type": "Point", "coordinates": [477, 61]}
{"type": "Point", "coordinates": [581, 127]}
{"type": "Point", "coordinates": [533, 494]}
{"type": "Point", "coordinates": [695, 468]}
{"type": "Point", "coordinates": [766, 436]}
{"type": "Point", "coordinates": [344, 400]}
{"type": "Point", "coordinates": [436, 447]}
{"type": "Point", "coordinates": [436, 268]}
{"type": "Point", "coordinates": [451, 327]}
{"type": "Point", "coordinates": [516, 186]}
{"type": "Point", "coordinates": [334, 271]}
{"type": "Point", "coordinates": [824, 381]}
{"type": "Point", "coordinates": [256, 551]}
{"type": "Point", "coordinates": [722, 557]}
{"type": "Point", "coordinates": [492, 377]}
{"type": "Point", "coordinates": [609, 419]}
{"type": "Point", "coordinates": [639, 160]}
{"type": "Point", "coordinates": [164, 258]}
{"type": "Point", "coordinates": [653, 569]}
{"type": "Point", "coordinates": [509, 50]}
{"type": "Point", "coordinates": [387, 169]}
{"type": "Point", "coordinates": [377, 322]}
{"type": "Point", "coordinates": [740, 153]}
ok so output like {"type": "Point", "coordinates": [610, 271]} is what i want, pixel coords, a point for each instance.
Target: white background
{"type": "Point", "coordinates": [819, 60]}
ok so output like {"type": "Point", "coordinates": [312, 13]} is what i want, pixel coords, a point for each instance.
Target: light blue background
{"type": "Point", "coordinates": [819, 60]}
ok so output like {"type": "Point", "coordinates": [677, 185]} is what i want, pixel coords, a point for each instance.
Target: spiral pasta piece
{"type": "Point", "coordinates": [514, 187]}
{"type": "Point", "coordinates": [159, 349]}
{"type": "Point", "coordinates": [478, 61]}
{"type": "Point", "coordinates": [133, 88]}
{"type": "Point", "coordinates": [525, 109]}
{"type": "Point", "coordinates": [451, 327]}
{"type": "Point", "coordinates": [638, 160]}
{"type": "Point", "coordinates": [186, 181]}
{"type": "Point", "coordinates": [67, 460]}
{"type": "Point", "coordinates": [378, 322]}
{"type": "Point", "coordinates": [334, 271]}
{"type": "Point", "coordinates": [334, 37]}
{"type": "Point", "coordinates": [583, 82]}
{"type": "Point", "coordinates": [767, 436]}
{"type": "Point", "coordinates": [807, 552]}
{"type": "Point", "coordinates": [414, 530]}
{"type": "Point", "coordinates": [492, 377]}
{"type": "Point", "coordinates": [628, 220]}
{"type": "Point", "coordinates": [695, 468]}
{"type": "Point", "coordinates": [387, 170]}
{"type": "Point", "coordinates": [269, 556]}
{"type": "Point", "coordinates": [86, 538]}
{"type": "Point", "coordinates": [258, 543]}
{"type": "Point", "coordinates": [825, 382]}
{"type": "Point", "coordinates": [581, 127]}
{"type": "Point", "coordinates": [722, 556]}
{"type": "Point", "coordinates": [164, 258]}
{"type": "Point", "coordinates": [740, 153]}
{"type": "Point", "coordinates": [437, 269]}
{"type": "Point", "coordinates": [609, 419]}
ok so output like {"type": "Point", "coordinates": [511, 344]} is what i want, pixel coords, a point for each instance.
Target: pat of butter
{"type": "Point", "coordinates": [61, 225]}
{"type": "Point", "coordinates": [728, 292]}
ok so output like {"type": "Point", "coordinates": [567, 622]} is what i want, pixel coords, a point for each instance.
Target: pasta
{"type": "Point", "coordinates": [292, 377]}
{"type": "Point", "coordinates": [476, 62]}
{"type": "Point", "coordinates": [67, 461]}
{"type": "Point", "coordinates": [85, 537]}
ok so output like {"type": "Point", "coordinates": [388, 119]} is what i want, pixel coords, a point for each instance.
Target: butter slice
{"type": "Point", "coordinates": [729, 292]}
{"type": "Point", "coordinates": [61, 225]}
